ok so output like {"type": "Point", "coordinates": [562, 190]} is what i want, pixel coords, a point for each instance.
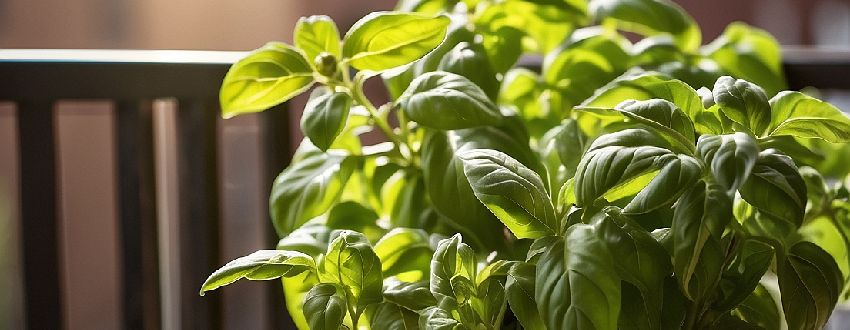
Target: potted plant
{"type": "Point", "coordinates": [658, 184]}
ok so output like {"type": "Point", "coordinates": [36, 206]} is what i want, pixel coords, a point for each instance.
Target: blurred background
{"type": "Point", "coordinates": [86, 159]}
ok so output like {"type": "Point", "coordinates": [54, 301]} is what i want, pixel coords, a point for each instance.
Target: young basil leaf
{"type": "Point", "coordinates": [387, 315]}
{"type": "Point", "coordinates": [490, 302]}
{"type": "Point", "coordinates": [621, 161]}
{"type": "Point", "coordinates": [260, 266]}
{"type": "Point", "coordinates": [744, 103]}
{"type": "Point", "coordinates": [317, 34]}
{"type": "Point", "coordinates": [470, 60]}
{"type": "Point", "coordinates": [311, 239]}
{"type": "Point", "coordinates": [308, 188]}
{"type": "Point", "coordinates": [650, 17]}
{"type": "Point", "coordinates": [266, 77]}
{"type": "Point", "coordinates": [776, 188]}
{"type": "Point", "coordinates": [514, 193]}
{"type": "Point", "coordinates": [405, 253]}
{"type": "Point", "coordinates": [576, 283]}
{"type": "Point", "coordinates": [586, 62]}
{"type": "Point", "coordinates": [452, 272]}
{"type": "Point", "coordinates": [637, 85]}
{"type": "Point", "coordinates": [800, 115]}
{"type": "Point", "coordinates": [699, 219]}
{"type": "Point", "coordinates": [325, 307]}
{"type": "Point", "coordinates": [749, 53]}
{"type": "Point", "coordinates": [742, 276]}
{"type": "Point", "coordinates": [324, 116]}
{"type": "Point", "coordinates": [729, 157]}
{"type": "Point", "coordinates": [641, 261]}
{"type": "Point", "coordinates": [760, 309]}
{"type": "Point", "coordinates": [445, 100]}
{"type": "Point", "coordinates": [520, 293]}
{"type": "Point", "coordinates": [352, 264]}
{"type": "Point", "coordinates": [661, 116]}
{"type": "Point", "coordinates": [415, 296]}
{"type": "Point", "coordinates": [436, 318]}
{"type": "Point", "coordinates": [560, 149]}
{"type": "Point", "coordinates": [384, 40]}
{"type": "Point", "coordinates": [810, 283]}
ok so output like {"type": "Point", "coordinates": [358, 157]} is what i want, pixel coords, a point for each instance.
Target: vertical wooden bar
{"type": "Point", "coordinates": [137, 210]}
{"type": "Point", "coordinates": [39, 234]}
{"type": "Point", "coordinates": [199, 214]}
{"type": "Point", "coordinates": [278, 142]}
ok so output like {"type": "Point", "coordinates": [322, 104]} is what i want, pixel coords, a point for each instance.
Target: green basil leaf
{"type": "Point", "coordinates": [391, 316]}
{"type": "Point", "coordinates": [490, 302]}
{"type": "Point", "coordinates": [384, 40]}
{"type": "Point", "coordinates": [587, 61]}
{"type": "Point", "coordinates": [576, 283]}
{"type": "Point", "coordinates": [521, 90]}
{"type": "Point", "coordinates": [452, 268]}
{"type": "Point", "coordinates": [445, 100]}
{"type": "Point", "coordinates": [436, 318]}
{"type": "Point", "coordinates": [308, 188]}
{"type": "Point", "coordinates": [513, 192]}
{"type": "Point", "coordinates": [547, 24]}
{"type": "Point", "coordinates": [620, 164]}
{"type": "Point", "coordinates": [742, 276]}
{"type": "Point", "coordinates": [352, 264]}
{"type": "Point", "coordinates": [316, 34]}
{"type": "Point", "coordinates": [641, 262]}
{"type": "Point", "coordinates": [810, 283]}
{"type": "Point", "coordinates": [699, 219]}
{"type": "Point", "coordinates": [520, 293]}
{"type": "Point", "coordinates": [325, 307]}
{"type": "Point", "coordinates": [799, 115]}
{"type": "Point", "coordinates": [260, 266]}
{"type": "Point", "coordinates": [637, 85]}
{"type": "Point", "coordinates": [656, 50]}
{"type": "Point", "coordinates": [470, 60]}
{"type": "Point", "coordinates": [503, 47]}
{"type": "Point", "coordinates": [430, 7]}
{"type": "Point", "coordinates": [354, 216]}
{"type": "Point", "coordinates": [749, 53]}
{"type": "Point", "coordinates": [311, 239]}
{"type": "Point", "coordinates": [324, 116]}
{"type": "Point", "coordinates": [405, 253]}
{"type": "Point", "coordinates": [650, 17]}
{"type": "Point", "coordinates": [415, 296]}
{"type": "Point", "coordinates": [729, 157]}
{"type": "Point", "coordinates": [760, 309]}
{"type": "Point", "coordinates": [560, 149]}
{"type": "Point", "coordinates": [265, 78]}
{"type": "Point", "coordinates": [744, 103]}
{"type": "Point", "coordinates": [776, 188]}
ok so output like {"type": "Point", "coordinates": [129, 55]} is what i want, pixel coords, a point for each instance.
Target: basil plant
{"type": "Point", "coordinates": [656, 184]}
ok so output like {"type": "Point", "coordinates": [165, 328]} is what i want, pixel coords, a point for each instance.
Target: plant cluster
{"type": "Point", "coordinates": [658, 184]}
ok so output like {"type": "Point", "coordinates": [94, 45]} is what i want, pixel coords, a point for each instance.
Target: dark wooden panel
{"type": "Point", "coordinates": [137, 210]}
{"type": "Point", "coordinates": [277, 140]}
{"type": "Point", "coordinates": [39, 231]}
{"type": "Point", "coordinates": [199, 213]}
{"type": "Point", "coordinates": [826, 69]}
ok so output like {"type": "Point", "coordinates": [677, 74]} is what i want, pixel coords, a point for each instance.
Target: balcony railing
{"type": "Point", "coordinates": [158, 288]}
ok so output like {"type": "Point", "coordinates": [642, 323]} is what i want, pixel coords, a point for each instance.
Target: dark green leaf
{"type": "Point", "coordinates": [729, 157]}
{"type": "Point", "coordinates": [513, 192]}
{"type": "Point", "coordinates": [391, 316]}
{"type": "Point", "coordinates": [260, 266]}
{"type": "Point", "coordinates": [436, 318]}
{"type": "Point", "coordinates": [316, 34]}
{"type": "Point", "coordinates": [266, 77]}
{"type": "Point", "coordinates": [351, 264]}
{"type": "Point", "coordinates": [810, 282]}
{"type": "Point", "coordinates": [800, 115]}
{"type": "Point", "coordinates": [324, 307]}
{"type": "Point", "coordinates": [452, 272]}
{"type": "Point", "coordinates": [520, 291]}
{"type": "Point", "coordinates": [324, 116]}
{"type": "Point", "coordinates": [384, 40]}
{"type": "Point", "coordinates": [308, 188]}
{"type": "Point", "coordinates": [576, 283]}
{"type": "Point", "coordinates": [776, 188]}
{"type": "Point", "coordinates": [742, 276]}
{"type": "Point", "coordinates": [699, 219]}
{"type": "Point", "coordinates": [760, 309]}
{"type": "Point", "coordinates": [446, 100]}
{"type": "Point", "coordinates": [561, 149]}
{"type": "Point", "coordinates": [470, 60]}
{"type": "Point", "coordinates": [415, 296]}
{"type": "Point", "coordinates": [744, 103]}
